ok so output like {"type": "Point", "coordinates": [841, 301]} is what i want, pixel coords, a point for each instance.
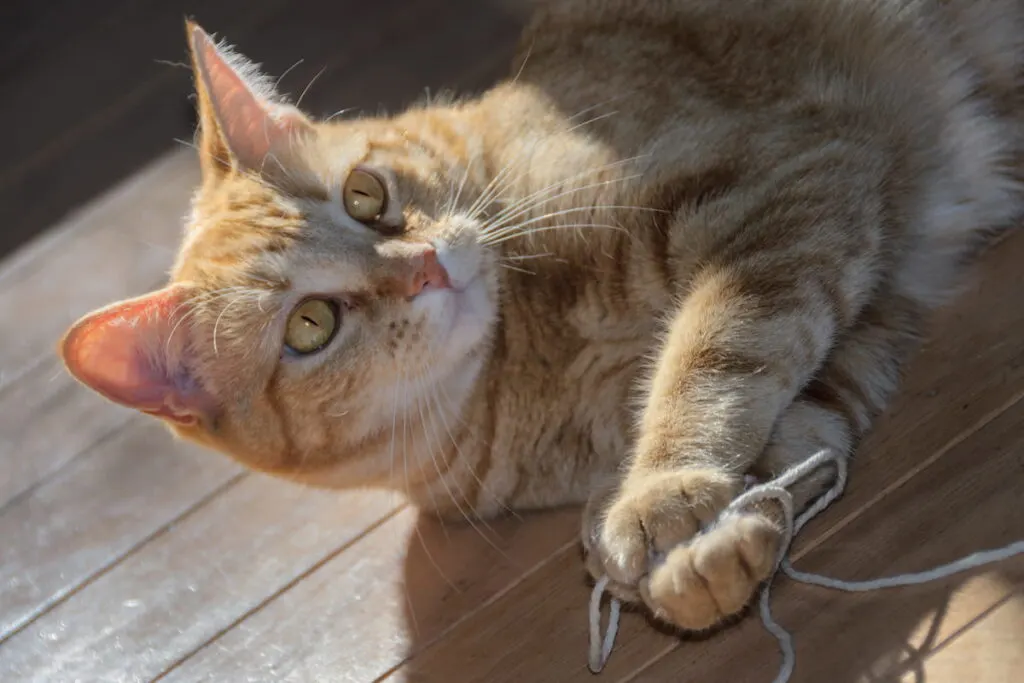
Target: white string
{"type": "Point", "coordinates": [776, 489]}
{"type": "Point", "coordinates": [601, 651]}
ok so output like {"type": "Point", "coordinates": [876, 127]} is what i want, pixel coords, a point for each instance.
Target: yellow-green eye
{"type": "Point", "coordinates": [365, 196]}
{"type": "Point", "coordinates": [312, 324]}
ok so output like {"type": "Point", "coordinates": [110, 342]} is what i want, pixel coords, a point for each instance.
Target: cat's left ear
{"type": "Point", "coordinates": [136, 353]}
{"type": "Point", "coordinates": [242, 120]}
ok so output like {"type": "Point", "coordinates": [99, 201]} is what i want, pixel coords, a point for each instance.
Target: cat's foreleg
{"type": "Point", "coordinates": [697, 584]}
{"type": "Point", "coordinates": [736, 353]}
{"type": "Point", "coordinates": [839, 405]}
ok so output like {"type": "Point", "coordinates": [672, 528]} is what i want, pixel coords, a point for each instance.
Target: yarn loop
{"type": "Point", "coordinates": [776, 489]}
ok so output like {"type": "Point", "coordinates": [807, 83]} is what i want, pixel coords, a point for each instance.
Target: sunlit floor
{"type": "Point", "coordinates": [129, 556]}
{"type": "Point", "coordinates": [125, 556]}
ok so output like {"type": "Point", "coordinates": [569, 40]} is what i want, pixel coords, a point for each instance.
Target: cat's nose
{"type": "Point", "coordinates": [428, 273]}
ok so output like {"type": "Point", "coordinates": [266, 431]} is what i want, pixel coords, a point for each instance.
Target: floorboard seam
{"type": "Point", "coordinates": [220, 633]}
{"type": "Point", "coordinates": [61, 598]}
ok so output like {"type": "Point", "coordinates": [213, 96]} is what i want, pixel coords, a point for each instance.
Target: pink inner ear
{"type": "Point", "coordinates": [126, 353]}
{"type": "Point", "coordinates": [248, 124]}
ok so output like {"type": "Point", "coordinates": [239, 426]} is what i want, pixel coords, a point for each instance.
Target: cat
{"type": "Point", "coordinates": [685, 242]}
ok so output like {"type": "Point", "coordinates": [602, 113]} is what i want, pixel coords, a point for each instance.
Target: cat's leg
{"type": "Point", "coordinates": [742, 344]}
{"type": "Point", "coordinates": [700, 583]}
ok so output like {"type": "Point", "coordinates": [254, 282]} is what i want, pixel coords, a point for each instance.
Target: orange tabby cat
{"type": "Point", "coordinates": [690, 241]}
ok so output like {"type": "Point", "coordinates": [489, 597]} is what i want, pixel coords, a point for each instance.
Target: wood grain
{"type": "Point", "coordinates": [964, 502]}
{"type": "Point", "coordinates": [361, 614]}
{"type": "Point", "coordinates": [935, 518]}
{"type": "Point", "coordinates": [99, 508]}
{"type": "Point", "coordinates": [128, 556]}
{"type": "Point", "coordinates": [120, 245]}
{"type": "Point", "coordinates": [191, 582]}
{"type": "Point", "coordinates": [47, 422]}
{"type": "Point", "coordinates": [925, 421]}
{"type": "Point", "coordinates": [988, 649]}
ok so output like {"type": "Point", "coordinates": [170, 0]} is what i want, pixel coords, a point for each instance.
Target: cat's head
{"type": "Point", "coordinates": [331, 283]}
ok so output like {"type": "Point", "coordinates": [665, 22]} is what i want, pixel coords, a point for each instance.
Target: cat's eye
{"type": "Point", "coordinates": [311, 326]}
{"type": "Point", "coordinates": [365, 196]}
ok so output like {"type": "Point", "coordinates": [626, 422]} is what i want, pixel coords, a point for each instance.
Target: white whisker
{"type": "Point", "coordinates": [340, 112]}
{"type": "Point", "coordinates": [298, 102]}
{"type": "Point", "coordinates": [194, 303]}
{"type": "Point", "coordinates": [542, 196]}
{"type": "Point", "coordinates": [495, 187]}
{"type": "Point", "coordinates": [518, 270]}
{"type": "Point", "coordinates": [515, 211]}
{"type": "Point", "coordinates": [527, 257]}
{"type": "Point", "coordinates": [216, 324]}
{"type": "Point", "coordinates": [522, 66]}
{"type": "Point", "coordinates": [405, 443]}
{"type": "Point", "coordinates": [548, 228]}
{"type": "Point", "coordinates": [462, 186]}
{"type": "Point", "coordinates": [498, 232]}
{"type": "Point", "coordinates": [447, 428]}
{"type": "Point", "coordinates": [467, 515]}
{"type": "Point", "coordinates": [277, 83]}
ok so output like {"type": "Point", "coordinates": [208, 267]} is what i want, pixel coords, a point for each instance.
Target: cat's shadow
{"type": "Point", "coordinates": [534, 627]}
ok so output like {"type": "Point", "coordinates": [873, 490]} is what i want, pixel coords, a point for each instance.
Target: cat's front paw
{"type": "Point", "coordinates": [713, 577]}
{"type": "Point", "coordinates": [630, 530]}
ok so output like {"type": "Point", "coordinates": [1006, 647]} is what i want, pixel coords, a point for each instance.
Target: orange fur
{"type": "Point", "coordinates": [687, 242]}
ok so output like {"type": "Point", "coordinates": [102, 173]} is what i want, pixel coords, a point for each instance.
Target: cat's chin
{"type": "Point", "coordinates": [472, 316]}
{"type": "Point", "coordinates": [462, 318]}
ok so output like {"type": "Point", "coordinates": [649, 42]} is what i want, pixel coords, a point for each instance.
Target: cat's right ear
{"type": "Point", "coordinates": [134, 353]}
{"type": "Point", "coordinates": [243, 122]}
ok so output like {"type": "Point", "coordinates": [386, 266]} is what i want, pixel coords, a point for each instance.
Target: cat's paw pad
{"type": "Point", "coordinates": [649, 516]}
{"type": "Point", "coordinates": [715, 575]}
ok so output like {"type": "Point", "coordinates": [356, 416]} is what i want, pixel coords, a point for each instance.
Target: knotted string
{"type": "Point", "coordinates": [776, 489]}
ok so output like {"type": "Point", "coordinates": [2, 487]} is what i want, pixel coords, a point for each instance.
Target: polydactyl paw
{"type": "Point", "coordinates": [644, 537]}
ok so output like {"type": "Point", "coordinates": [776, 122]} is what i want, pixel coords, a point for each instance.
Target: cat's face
{"type": "Point", "coordinates": [331, 286]}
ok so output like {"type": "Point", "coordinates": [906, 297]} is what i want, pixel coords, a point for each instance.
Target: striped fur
{"type": "Point", "coordinates": [701, 239]}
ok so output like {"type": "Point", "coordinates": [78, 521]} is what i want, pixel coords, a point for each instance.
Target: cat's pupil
{"type": "Point", "coordinates": [310, 321]}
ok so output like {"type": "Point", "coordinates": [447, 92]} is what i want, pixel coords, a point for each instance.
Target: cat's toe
{"type": "Point", "coordinates": [651, 515]}
{"type": "Point", "coordinates": [716, 575]}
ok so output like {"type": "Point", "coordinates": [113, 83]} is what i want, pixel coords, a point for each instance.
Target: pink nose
{"type": "Point", "coordinates": [427, 274]}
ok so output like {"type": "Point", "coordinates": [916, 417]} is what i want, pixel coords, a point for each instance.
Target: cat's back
{"type": "Point", "coordinates": [922, 100]}
{"type": "Point", "coordinates": [661, 61]}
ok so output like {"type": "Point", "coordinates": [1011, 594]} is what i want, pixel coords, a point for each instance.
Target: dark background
{"type": "Point", "coordinates": [93, 89]}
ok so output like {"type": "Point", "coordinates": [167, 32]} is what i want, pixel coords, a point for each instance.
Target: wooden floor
{"type": "Point", "coordinates": [125, 556]}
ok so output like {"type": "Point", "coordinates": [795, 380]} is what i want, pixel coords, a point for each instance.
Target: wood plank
{"type": "Point", "coordinates": [47, 422]}
{"type": "Point", "coordinates": [192, 582]}
{"type": "Point", "coordinates": [965, 502]}
{"type": "Point", "coordinates": [971, 373]}
{"type": "Point", "coordinates": [102, 506]}
{"type": "Point", "coordinates": [118, 246]}
{"type": "Point", "coordinates": [987, 650]}
{"type": "Point", "coordinates": [537, 632]}
{"type": "Point", "coordinates": [396, 590]}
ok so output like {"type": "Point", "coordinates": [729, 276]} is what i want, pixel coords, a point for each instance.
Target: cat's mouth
{"type": "Point", "coordinates": [463, 313]}
{"type": "Point", "coordinates": [461, 262]}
